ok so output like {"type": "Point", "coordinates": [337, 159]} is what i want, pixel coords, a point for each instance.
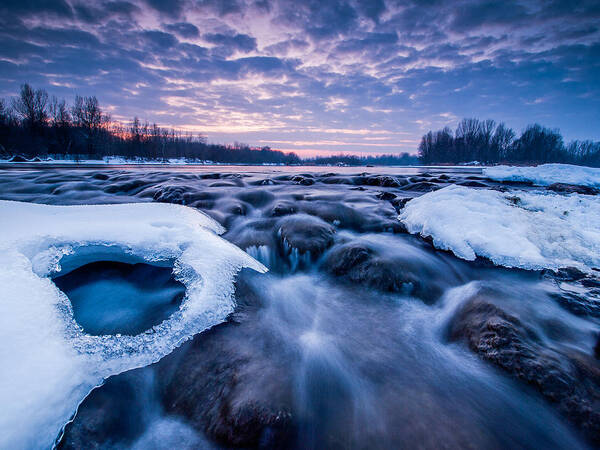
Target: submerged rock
{"type": "Point", "coordinates": [100, 176]}
{"type": "Point", "coordinates": [306, 233]}
{"type": "Point", "coordinates": [112, 415]}
{"type": "Point", "coordinates": [422, 186]}
{"type": "Point", "coordinates": [334, 179]}
{"type": "Point", "coordinates": [283, 209]}
{"type": "Point", "coordinates": [256, 197]}
{"type": "Point", "coordinates": [386, 196]}
{"type": "Point", "coordinates": [234, 382]}
{"type": "Point", "coordinates": [303, 180]}
{"type": "Point", "coordinates": [472, 183]}
{"type": "Point", "coordinates": [127, 187]}
{"type": "Point", "coordinates": [565, 274]}
{"type": "Point", "coordinates": [580, 305]}
{"type": "Point", "coordinates": [236, 396]}
{"type": "Point", "coordinates": [517, 182]}
{"type": "Point", "coordinates": [400, 203]}
{"type": "Point", "coordinates": [361, 265]}
{"type": "Point", "coordinates": [369, 266]}
{"type": "Point", "coordinates": [565, 188]}
{"type": "Point", "coordinates": [379, 180]}
{"type": "Point", "coordinates": [231, 383]}
{"type": "Point", "coordinates": [568, 379]}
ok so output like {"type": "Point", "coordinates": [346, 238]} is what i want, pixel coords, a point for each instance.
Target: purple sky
{"type": "Point", "coordinates": [366, 76]}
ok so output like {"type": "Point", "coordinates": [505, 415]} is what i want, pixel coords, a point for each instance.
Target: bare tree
{"type": "Point", "coordinates": [61, 124]}
{"type": "Point", "coordinates": [538, 144]}
{"type": "Point", "coordinates": [59, 113]}
{"type": "Point", "coordinates": [87, 113]}
{"type": "Point", "coordinates": [88, 116]}
{"type": "Point", "coordinates": [502, 141]}
{"type": "Point", "coordinates": [31, 107]}
{"type": "Point", "coordinates": [4, 116]}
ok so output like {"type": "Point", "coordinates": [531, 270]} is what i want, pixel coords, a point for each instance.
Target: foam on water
{"type": "Point", "coordinates": [49, 362]}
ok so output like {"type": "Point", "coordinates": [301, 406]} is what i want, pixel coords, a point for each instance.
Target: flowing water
{"type": "Point", "coordinates": [357, 337]}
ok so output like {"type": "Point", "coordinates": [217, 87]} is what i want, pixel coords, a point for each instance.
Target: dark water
{"type": "Point", "coordinates": [360, 336]}
{"type": "Point", "coordinates": [110, 297]}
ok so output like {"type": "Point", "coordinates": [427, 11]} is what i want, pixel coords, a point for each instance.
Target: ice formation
{"type": "Point", "coordinates": [546, 174]}
{"type": "Point", "coordinates": [48, 363]}
{"type": "Point", "coordinates": [529, 230]}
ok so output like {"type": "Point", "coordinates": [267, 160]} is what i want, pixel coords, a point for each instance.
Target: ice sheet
{"type": "Point", "coordinates": [529, 230]}
{"type": "Point", "coordinates": [48, 363]}
{"type": "Point", "coordinates": [546, 174]}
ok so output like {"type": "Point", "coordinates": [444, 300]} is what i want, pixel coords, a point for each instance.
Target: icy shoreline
{"type": "Point", "coordinates": [40, 390]}
{"type": "Point", "coordinates": [546, 174]}
{"type": "Point", "coordinates": [528, 230]}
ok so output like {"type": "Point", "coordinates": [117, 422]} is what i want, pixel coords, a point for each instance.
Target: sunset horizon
{"type": "Point", "coordinates": [361, 77]}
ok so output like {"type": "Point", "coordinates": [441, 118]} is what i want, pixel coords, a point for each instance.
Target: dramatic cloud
{"type": "Point", "coordinates": [314, 76]}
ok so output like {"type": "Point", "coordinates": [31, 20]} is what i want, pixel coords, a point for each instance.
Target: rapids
{"type": "Point", "coordinates": [359, 336]}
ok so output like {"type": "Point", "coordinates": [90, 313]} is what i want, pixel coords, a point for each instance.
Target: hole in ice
{"type": "Point", "coordinates": [110, 297]}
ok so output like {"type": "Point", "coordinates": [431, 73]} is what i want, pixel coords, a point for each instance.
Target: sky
{"type": "Point", "coordinates": [314, 77]}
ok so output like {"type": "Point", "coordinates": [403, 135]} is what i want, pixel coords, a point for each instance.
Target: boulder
{"type": "Point", "coordinates": [379, 180]}
{"type": "Point", "coordinates": [400, 203]}
{"type": "Point", "coordinates": [234, 382]}
{"type": "Point", "coordinates": [566, 378]}
{"type": "Point", "coordinates": [363, 264]}
{"type": "Point", "coordinates": [387, 196]}
{"type": "Point", "coordinates": [306, 233]}
{"type": "Point", "coordinates": [303, 180]}
{"type": "Point", "coordinates": [256, 197]}
{"type": "Point", "coordinates": [472, 183]}
{"type": "Point", "coordinates": [565, 188]}
{"type": "Point", "coordinates": [283, 208]}
{"type": "Point", "coordinates": [422, 186]}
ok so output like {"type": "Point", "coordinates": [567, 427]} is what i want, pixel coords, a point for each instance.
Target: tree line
{"type": "Point", "coordinates": [34, 124]}
{"type": "Point", "coordinates": [488, 142]}
{"type": "Point", "coordinates": [403, 159]}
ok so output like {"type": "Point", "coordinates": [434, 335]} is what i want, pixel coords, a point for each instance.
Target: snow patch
{"type": "Point", "coordinates": [546, 174]}
{"type": "Point", "coordinates": [529, 230]}
{"type": "Point", "coordinates": [48, 363]}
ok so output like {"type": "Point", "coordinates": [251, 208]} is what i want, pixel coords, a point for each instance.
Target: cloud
{"type": "Point", "coordinates": [235, 42]}
{"type": "Point", "coordinates": [172, 8]}
{"type": "Point", "coordinates": [159, 39]}
{"type": "Point", "coordinates": [280, 71]}
{"type": "Point", "coordinates": [89, 13]}
{"type": "Point", "coordinates": [26, 8]}
{"type": "Point", "coordinates": [183, 29]}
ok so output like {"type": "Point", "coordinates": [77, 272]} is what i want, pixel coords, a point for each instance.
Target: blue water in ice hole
{"type": "Point", "coordinates": [110, 297]}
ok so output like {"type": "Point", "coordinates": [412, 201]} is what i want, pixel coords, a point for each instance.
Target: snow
{"type": "Point", "coordinates": [546, 174]}
{"type": "Point", "coordinates": [48, 363]}
{"type": "Point", "coordinates": [529, 230]}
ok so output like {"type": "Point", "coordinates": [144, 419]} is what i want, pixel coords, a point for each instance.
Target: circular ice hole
{"type": "Point", "coordinates": [114, 297]}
